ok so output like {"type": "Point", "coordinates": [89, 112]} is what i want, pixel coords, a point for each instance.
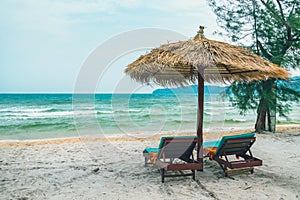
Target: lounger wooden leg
{"type": "Point", "coordinates": [162, 173]}
{"type": "Point", "coordinates": [194, 175]}
{"type": "Point", "coordinates": [225, 171]}
{"type": "Point", "coordinates": [224, 168]}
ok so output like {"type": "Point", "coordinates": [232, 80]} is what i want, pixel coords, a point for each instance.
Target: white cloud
{"type": "Point", "coordinates": [56, 16]}
{"type": "Point", "coordinates": [174, 5]}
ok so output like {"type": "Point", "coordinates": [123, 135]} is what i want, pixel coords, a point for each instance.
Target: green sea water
{"type": "Point", "coordinates": [41, 116]}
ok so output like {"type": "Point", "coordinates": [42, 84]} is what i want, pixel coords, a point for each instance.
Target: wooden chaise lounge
{"type": "Point", "coordinates": [174, 154]}
{"type": "Point", "coordinates": [237, 146]}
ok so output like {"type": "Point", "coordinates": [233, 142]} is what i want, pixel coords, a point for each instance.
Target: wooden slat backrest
{"type": "Point", "coordinates": [236, 146]}
{"type": "Point", "coordinates": [178, 147]}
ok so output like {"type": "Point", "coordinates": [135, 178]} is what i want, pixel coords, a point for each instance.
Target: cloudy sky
{"type": "Point", "coordinates": [45, 43]}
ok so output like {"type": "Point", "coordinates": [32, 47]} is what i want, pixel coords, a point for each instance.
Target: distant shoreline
{"type": "Point", "coordinates": [207, 135]}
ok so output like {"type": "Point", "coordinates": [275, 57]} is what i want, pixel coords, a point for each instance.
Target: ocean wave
{"type": "Point", "coordinates": [223, 108]}
{"type": "Point", "coordinates": [216, 103]}
{"type": "Point", "coordinates": [53, 114]}
{"type": "Point", "coordinates": [209, 113]}
{"type": "Point", "coordinates": [144, 116]}
{"type": "Point", "coordinates": [105, 112]}
{"type": "Point", "coordinates": [25, 110]}
{"type": "Point", "coordinates": [130, 110]}
{"type": "Point", "coordinates": [41, 126]}
{"type": "Point", "coordinates": [235, 120]}
{"type": "Point", "coordinates": [135, 110]}
{"type": "Point", "coordinates": [179, 121]}
{"type": "Point", "coordinates": [118, 112]}
{"type": "Point", "coordinates": [53, 126]}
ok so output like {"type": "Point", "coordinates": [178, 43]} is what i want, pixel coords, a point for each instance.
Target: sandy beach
{"type": "Point", "coordinates": [114, 168]}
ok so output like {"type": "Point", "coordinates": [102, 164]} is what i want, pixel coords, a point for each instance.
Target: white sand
{"type": "Point", "coordinates": [114, 169]}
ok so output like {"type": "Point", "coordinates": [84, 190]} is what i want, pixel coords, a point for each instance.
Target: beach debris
{"type": "Point", "coordinates": [23, 198]}
{"type": "Point", "coordinates": [96, 170]}
{"type": "Point", "coordinates": [248, 187]}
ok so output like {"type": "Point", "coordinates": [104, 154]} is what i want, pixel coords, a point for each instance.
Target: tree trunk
{"type": "Point", "coordinates": [266, 112]}
{"type": "Point", "coordinates": [260, 124]}
{"type": "Point", "coordinates": [272, 113]}
{"type": "Point", "coordinates": [272, 120]}
{"type": "Point", "coordinates": [269, 122]}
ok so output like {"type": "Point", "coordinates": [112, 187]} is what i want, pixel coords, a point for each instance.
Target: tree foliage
{"type": "Point", "coordinates": [270, 28]}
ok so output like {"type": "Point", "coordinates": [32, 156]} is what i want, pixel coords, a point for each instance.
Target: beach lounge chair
{"type": "Point", "coordinates": [237, 146]}
{"type": "Point", "coordinates": [174, 154]}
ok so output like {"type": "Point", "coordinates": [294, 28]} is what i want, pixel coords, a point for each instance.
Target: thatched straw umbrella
{"type": "Point", "coordinates": [182, 63]}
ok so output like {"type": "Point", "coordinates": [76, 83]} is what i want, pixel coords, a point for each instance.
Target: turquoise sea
{"type": "Point", "coordinates": [40, 116]}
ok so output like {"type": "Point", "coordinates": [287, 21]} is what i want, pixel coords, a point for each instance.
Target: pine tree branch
{"type": "Point", "coordinates": [272, 11]}
{"type": "Point", "coordinates": [282, 18]}
{"type": "Point", "coordinates": [291, 13]}
{"type": "Point", "coordinates": [281, 11]}
{"type": "Point", "coordinates": [264, 52]}
{"type": "Point", "coordinates": [289, 42]}
{"type": "Point", "coordinates": [255, 26]}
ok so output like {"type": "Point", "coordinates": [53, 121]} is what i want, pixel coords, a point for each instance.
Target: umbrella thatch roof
{"type": "Point", "coordinates": [177, 63]}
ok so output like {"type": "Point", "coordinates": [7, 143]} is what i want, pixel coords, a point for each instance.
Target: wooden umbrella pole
{"type": "Point", "coordinates": [200, 114]}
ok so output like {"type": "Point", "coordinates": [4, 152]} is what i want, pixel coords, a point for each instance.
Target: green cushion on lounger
{"type": "Point", "coordinates": [241, 136]}
{"type": "Point", "coordinates": [211, 143]}
{"type": "Point", "coordinates": [149, 150]}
